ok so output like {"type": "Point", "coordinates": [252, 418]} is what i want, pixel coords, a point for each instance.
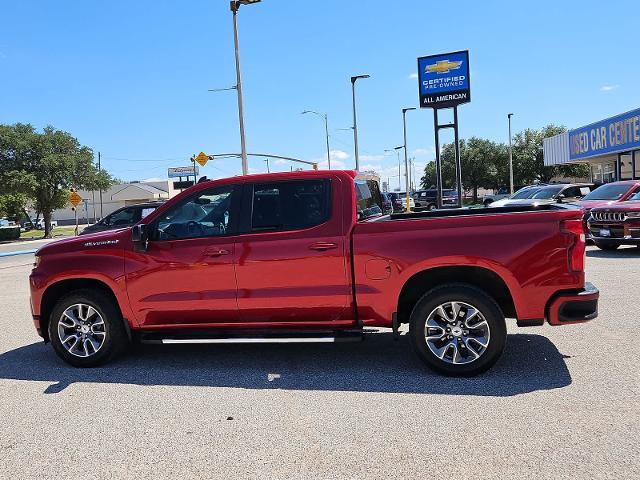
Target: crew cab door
{"type": "Point", "coordinates": [292, 257]}
{"type": "Point", "coordinates": [187, 274]}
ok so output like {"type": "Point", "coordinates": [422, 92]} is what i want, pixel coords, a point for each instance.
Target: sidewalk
{"type": "Point", "coordinates": [23, 247]}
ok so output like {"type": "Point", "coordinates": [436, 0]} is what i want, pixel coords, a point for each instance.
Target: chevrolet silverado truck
{"type": "Point", "coordinates": [310, 257]}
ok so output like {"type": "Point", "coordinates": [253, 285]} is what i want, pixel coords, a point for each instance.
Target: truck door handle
{"type": "Point", "coordinates": [217, 253]}
{"type": "Point", "coordinates": [322, 246]}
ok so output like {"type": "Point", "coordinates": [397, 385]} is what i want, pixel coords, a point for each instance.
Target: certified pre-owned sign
{"type": "Point", "coordinates": [444, 80]}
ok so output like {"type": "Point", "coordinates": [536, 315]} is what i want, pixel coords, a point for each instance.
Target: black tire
{"type": "Point", "coordinates": [487, 203]}
{"type": "Point", "coordinates": [605, 245]}
{"type": "Point", "coordinates": [431, 206]}
{"type": "Point", "coordinates": [470, 295]}
{"type": "Point", "coordinates": [115, 338]}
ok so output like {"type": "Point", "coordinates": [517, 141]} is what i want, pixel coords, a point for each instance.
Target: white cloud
{"type": "Point", "coordinates": [154, 179]}
{"type": "Point", "coordinates": [413, 76]}
{"type": "Point", "coordinates": [421, 152]}
{"type": "Point", "coordinates": [371, 158]}
{"type": "Point", "coordinates": [280, 161]}
{"type": "Point", "coordinates": [338, 155]}
{"type": "Point", "coordinates": [608, 88]}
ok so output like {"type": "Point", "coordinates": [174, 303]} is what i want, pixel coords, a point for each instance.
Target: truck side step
{"type": "Point", "coordinates": [185, 337]}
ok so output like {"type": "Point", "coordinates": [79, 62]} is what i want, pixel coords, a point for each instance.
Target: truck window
{"type": "Point", "coordinates": [203, 215]}
{"type": "Point", "coordinates": [122, 217]}
{"type": "Point", "coordinates": [296, 205]}
{"type": "Point", "coordinates": [368, 199]}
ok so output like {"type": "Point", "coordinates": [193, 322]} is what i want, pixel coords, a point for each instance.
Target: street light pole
{"type": "Point", "coordinates": [235, 5]}
{"type": "Point", "coordinates": [326, 130]}
{"type": "Point", "coordinates": [406, 158]}
{"type": "Point", "coordinates": [510, 156]}
{"type": "Point", "coordinates": [355, 120]}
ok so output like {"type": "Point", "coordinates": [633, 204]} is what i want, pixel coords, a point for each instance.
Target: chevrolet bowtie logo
{"type": "Point", "coordinates": [443, 66]}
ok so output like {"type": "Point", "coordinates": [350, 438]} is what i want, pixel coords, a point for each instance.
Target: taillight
{"type": "Point", "coordinates": [577, 250]}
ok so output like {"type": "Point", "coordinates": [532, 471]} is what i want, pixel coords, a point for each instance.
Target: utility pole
{"type": "Point", "coordinates": [510, 156]}
{"type": "Point", "coordinates": [99, 170]}
{"type": "Point", "coordinates": [354, 79]}
{"type": "Point", "coordinates": [267, 160]}
{"type": "Point", "coordinates": [235, 5]}
{"type": "Point", "coordinates": [406, 161]}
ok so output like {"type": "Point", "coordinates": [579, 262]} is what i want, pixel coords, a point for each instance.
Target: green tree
{"type": "Point", "coordinates": [45, 166]}
{"type": "Point", "coordinates": [528, 158]}
{"type": "Point", "coordinates": [483, 163]}
{"type": "Point", "coordinates": [13, 206]}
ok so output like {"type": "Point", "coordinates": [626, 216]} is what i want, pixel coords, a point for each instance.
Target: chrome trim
{"type": "Point", "coordinates": [609, 216]}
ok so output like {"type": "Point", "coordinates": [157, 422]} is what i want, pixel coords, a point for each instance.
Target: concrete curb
{"type": "Point", "coordinates": [17, 252]}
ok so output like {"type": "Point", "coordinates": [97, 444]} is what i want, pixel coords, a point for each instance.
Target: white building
{"type": "Point", "coordinates": [116, 197]}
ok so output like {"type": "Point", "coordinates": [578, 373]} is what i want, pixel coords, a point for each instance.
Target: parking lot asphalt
{"type": "Point", "coordinates": [563, 402]}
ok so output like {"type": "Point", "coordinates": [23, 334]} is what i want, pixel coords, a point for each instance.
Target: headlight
{"type": "Point", "coordinates": [633, 214]}
{"type": "Point", "coordinates": [36, 261]}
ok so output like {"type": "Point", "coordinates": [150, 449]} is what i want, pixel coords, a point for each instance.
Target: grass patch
{"type": "Point", "coordinates": [57, 232]}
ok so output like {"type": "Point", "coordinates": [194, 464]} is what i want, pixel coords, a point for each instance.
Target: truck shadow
{"type": "Point", "coordinates": [622, 252]}
{"type": "Point", "coordinates": [379, 364]}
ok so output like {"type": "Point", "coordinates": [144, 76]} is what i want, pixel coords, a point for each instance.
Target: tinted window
{"type": "Point", "coordinates": [525, 193]}
{"type": "Point", "coordinates": [547, 193]}
{"type": "Point", "coordinates": [206, 214]}
{"type": "Point", "coordinates": [290, 205]}
{"type": "Point", "coordinates": [608, 192]}
{"type": "Point", "coordinates": [368, 199]}
{"type": "Point", "coordinates": [124, 217]}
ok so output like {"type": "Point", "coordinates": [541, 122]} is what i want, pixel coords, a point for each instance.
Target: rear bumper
{"type": "Point", "coordinates": [573, 307]}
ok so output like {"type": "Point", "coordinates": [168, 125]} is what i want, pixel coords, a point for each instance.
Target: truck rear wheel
{"type": "Point", "coordinates": [86, 329]}
{"type": "Point", "coordinates": [458, 330]}
{"type": "Point", "coordinates": [605, 245]}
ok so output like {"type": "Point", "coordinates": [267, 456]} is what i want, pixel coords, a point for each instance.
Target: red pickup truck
{"type": "Point", "coordinates": [309, 257]}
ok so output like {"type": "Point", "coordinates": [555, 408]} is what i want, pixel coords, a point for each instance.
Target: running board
{"type": "Point", "coordinates": [209, 337]}
{"type": "Point", "coordinates": [258, 340]}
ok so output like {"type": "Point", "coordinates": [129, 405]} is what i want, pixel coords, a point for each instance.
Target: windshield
{"type": "Point", "coordinates": [547, 193]}
{"type": "Point", "coordinates": [608, 192]}
{"type": "Point", "coordinates": [635, 197]}
{"type": "Point", "coordinates": [525, 193]}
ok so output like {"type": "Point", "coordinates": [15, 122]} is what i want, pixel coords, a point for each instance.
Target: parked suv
{"type": "Point", "coordinates": [426, 199]}
{"type": "Point", "coordinates": [616, 224]}
{"type": "Point", "coordinates": [123, 217]}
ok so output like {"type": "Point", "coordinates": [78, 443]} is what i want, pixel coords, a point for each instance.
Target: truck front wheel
{"type": "Point", "coordinates": [458, 330]}
{"type": "Point", "coordinates": [86, 328]}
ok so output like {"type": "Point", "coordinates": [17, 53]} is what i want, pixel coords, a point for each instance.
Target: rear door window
{"type": "Point", "coordinates": [368, 199]}
{"type": "Point", "coordinates": [296, 205]}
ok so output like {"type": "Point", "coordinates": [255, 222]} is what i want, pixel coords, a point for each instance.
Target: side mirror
{"type": "Point", "coordinates": [561, 197]}
{"type": "Point", "coordinates": [140, 237]}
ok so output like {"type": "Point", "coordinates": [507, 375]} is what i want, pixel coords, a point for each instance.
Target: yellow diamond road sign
{"type": "Point", "coordinates": [202, 159]}
{"type": "Point", "coordinates": [75, 199]}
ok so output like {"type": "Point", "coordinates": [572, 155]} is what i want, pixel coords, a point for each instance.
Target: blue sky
{"type": "Point", "coordinates": [130, 79]}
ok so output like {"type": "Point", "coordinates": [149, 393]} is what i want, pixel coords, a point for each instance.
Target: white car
{"type": "Point", "coordinates": [412, 203]}
{"type": "Point", "coordinates": [40, 224]}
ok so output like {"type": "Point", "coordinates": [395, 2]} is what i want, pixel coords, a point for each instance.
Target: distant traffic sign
{"type": "Point", "coordinates": [202, 159]}
{"type": "Point", "coordinates": [444, 80]}
{"type": "Point", "coordinates": [75, 199]}
{"type": "Point", "coordinates": [176, 172]}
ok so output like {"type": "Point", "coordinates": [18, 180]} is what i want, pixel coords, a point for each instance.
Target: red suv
{"type": "Point", "coordinates": [616, 225]}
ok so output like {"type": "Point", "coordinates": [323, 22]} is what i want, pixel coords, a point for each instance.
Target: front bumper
{"type": "Point", "coordinates": [576, 306]}
{"type": "Point", "coordinates": [623, 233]}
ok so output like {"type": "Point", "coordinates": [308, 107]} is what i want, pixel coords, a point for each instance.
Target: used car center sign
{"type": "Point", "coordinates": [444, 80]}
{"type": "Point", "coordinates": [613, 135]}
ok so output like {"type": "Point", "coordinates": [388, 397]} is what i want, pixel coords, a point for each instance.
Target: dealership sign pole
{"type": "Point", "coordinates": [444, 83]}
